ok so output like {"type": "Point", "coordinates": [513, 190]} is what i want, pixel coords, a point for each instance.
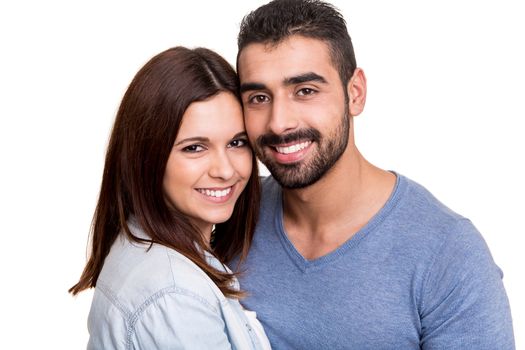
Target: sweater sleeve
{"type": "Point", "coordinates": [179, 321]}
{"type": "Point", "coordinates": [464, 304]}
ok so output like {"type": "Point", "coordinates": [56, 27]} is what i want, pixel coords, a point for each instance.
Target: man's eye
{"type": "Point", "coordinates": [193, 149]}
{"type": "Point", "coordinates": [306, 92]}
{"type": "Point", "coordinates": [259, 99]}
{"type": "Point", "coordinates": [238, 143]}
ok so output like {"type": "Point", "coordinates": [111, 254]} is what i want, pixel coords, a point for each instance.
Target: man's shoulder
{"type": "Point", "coordinates": [270, 192]}
{"type": "Point", "coordinates": [418, 200]}
{"type": "Point", "coordinates": [425, 221]}
{"type": "Point", "coordinates": [268, 182]}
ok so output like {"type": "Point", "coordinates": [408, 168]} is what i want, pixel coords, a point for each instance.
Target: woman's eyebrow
{"type": "Point", "coordinates": [193, 139]}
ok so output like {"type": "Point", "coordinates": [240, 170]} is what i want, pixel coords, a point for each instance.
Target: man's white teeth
{"type": "Point", "coordinates": [214, 193]}
{"type": "Point", "coordinates": [293, 148]}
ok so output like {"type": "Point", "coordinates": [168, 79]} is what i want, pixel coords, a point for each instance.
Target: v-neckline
{"type": "Point", "coordinates": [306, 265]}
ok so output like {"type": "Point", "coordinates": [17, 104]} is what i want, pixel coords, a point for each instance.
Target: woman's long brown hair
{"type": "Point", "coordinates": [146, 125]}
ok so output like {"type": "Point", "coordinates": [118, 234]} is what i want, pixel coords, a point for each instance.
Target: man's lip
{"type": "Point", "coordinates": [288, 144]}
{"type": "Point", "coordinates": [293, 155]}
{"type": "Point", "coordinates": [271, 139]}
{"type": "Point", "coordinates": [293, 146]}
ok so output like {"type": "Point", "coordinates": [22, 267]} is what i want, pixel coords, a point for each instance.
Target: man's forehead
{"type": "Point", "coordinates": [293, 56]}
{"type": "Point", "coordinates": [291, 42]}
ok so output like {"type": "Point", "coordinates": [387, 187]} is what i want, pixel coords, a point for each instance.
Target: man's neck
{"type": "Point", "coordinates": [320, 218]}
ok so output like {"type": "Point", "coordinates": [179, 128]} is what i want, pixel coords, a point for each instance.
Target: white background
{"type": "Point", "coordinates": [445, 107]}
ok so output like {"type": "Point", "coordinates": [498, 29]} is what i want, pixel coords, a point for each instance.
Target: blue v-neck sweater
{"type": "Point", "coordinates": [417, 276]}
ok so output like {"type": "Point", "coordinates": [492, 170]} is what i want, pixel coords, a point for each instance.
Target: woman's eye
{"type": "Point", "coordinates": [257, 99]}
{"type": "Point", "coordinates": [238, 143]}
{"type": "Point", "coordinates": [306, 92]}
{"type": "Point", "coordinates": [193, 148]}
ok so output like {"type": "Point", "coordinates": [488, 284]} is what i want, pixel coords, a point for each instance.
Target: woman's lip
{"type": "Point", "coordinates": [217, 194]}
{"type": "Point", "coordinates": [214, 188]}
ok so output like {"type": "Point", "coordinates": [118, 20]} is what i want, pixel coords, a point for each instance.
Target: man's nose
{"type": "Point", "coordinates": [282, 118]}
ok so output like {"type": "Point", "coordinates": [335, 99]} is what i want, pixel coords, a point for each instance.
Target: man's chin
{"type": "Point", "coordinates": [291, 177]}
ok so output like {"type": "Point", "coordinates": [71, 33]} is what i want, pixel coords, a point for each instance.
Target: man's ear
{"type": "Point", "coordinates": [356, 90]}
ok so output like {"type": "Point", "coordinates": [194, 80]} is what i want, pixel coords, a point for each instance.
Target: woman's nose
{"type": "Point", "coordinates": [221, 166]}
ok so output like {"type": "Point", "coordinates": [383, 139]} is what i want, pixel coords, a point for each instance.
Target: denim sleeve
{"type": "Point", "coordinates": [179, 320]}
{"type": "Point", "coordinates": [463, 301]}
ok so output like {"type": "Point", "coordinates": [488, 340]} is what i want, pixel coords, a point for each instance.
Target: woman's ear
{"type": "Point", "coordinates": [356, 90]}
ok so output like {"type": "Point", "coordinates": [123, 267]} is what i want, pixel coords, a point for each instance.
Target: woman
{"type": "Point", "coordinates": [179, 199]}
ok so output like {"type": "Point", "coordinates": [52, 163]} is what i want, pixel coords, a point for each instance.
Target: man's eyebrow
{"type": "Point", "coordinates": [252, 86]}
{"type": "Point", "coordinates": [304, 78]}
{"type": "Point", "coordinates": [298, 79]}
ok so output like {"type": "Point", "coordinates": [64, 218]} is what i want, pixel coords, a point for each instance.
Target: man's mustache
{"type": "Point", "coordinates": [272, 139]}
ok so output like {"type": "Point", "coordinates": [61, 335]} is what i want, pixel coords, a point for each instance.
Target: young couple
{"type": "Point", "coordinates": [336, 254]}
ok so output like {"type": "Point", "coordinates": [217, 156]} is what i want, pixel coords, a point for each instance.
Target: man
{"type": "Point", "coordinates": [347, 255]}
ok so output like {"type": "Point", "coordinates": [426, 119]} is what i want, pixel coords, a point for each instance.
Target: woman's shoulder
{"type": "Point", "coordinates": [137, 274]}
{"type": "Point", "coordinates": [160, 297]}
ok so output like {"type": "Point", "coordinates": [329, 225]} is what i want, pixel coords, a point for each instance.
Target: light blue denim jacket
{"type": "Point", "coordinates": [159, 299]}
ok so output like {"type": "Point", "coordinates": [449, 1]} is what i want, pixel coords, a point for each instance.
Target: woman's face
{"type": "Point", "coordinates": [210, 162]}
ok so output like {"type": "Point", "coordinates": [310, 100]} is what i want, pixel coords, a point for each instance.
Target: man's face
{"type": "Point", "coordinates": [294, 108]}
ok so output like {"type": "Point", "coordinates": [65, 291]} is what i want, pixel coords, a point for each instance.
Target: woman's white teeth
{"type": "Point", "coordinates": [293, 148]}
{"type": "Point", "coordinates": [215, 193]}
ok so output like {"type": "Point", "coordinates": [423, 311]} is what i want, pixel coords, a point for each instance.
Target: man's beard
{"type": "Point", "coordinates": [305, 173]}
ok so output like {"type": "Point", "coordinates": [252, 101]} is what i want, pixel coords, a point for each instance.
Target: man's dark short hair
{"type": "Point", "coordinates": [276, 21]}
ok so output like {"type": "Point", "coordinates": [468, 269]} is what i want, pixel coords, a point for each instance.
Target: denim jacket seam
{"type": "Point", "coordinates": [134, 317]}
{"type": "Point", "coordinates": [108, 293]}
